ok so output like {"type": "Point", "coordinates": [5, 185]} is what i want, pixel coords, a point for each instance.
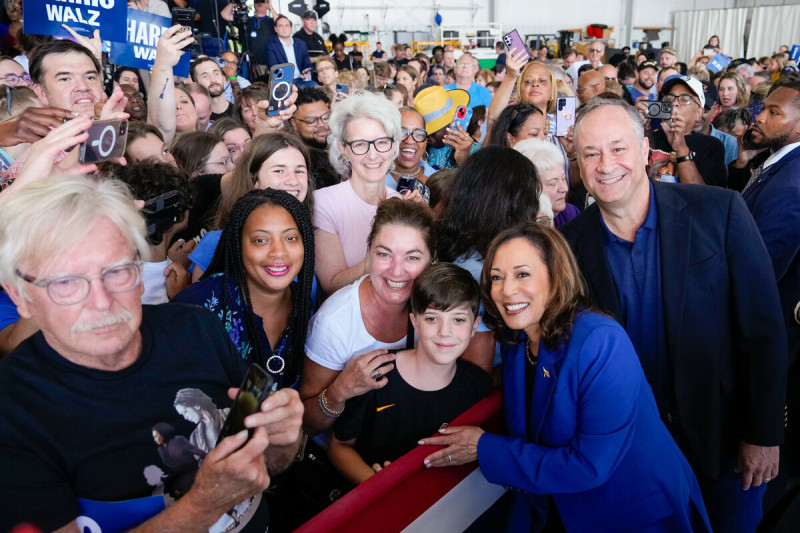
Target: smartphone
{"type": "Point", "coordinates": [406, 184]}
{"type": "Point", "coordinates": [161, 212]}
{"type": "Point", "coordinates": [565, 114]}
{"type": "Point", "coordinates": [106, 140]}
{"type": "Point", "coordinates": [281, 78]}
{"type": "Point", "coordinates": [513, 40]}
{"type": "Point", "coordinates": [255, 388]}
{"type": "Point", "coordinates": [658, 109]}
{"type": "Point", "coordinates": [342, 88]}
{"type": "Point", "coordinates": [184, 16]}
{"type": "Point", "coordinates": [710, 52]}
{"type": "Point", "coordinates": [463, 117]}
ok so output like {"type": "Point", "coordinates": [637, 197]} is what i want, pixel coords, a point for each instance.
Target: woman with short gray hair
{"type": "Point", "coordinates": [364, 140]}
{"type": "Point", "coordinates": [549, 162]}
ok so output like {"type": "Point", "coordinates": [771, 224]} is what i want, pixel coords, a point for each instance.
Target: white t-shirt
{"type": "Point", "coordinates": [155, 282]}
{"type": "Point", "coordinates": [339, 210]}
{"type": "Point", "coordinates": [337, 332]}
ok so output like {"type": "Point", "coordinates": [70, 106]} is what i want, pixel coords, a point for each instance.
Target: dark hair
{"type": "Point", "coordinates": [192, 150]}
{"type": "Point", "coordinates": [478, 114]}
{"type": "Point", "coordinates": [138, 129]}
{"type": "Point", "coordinates": [511, 121]}
{"type": "Point", "coordinates": [409, 214]}
{"type": "Point", "coordinates": [253, 93]}
{"type": "Point", "coordinates": [626, 70]}
{"type": "Point", "coordinates": [200, 61]}
{"type": "Point", "coordinates": [789, 80]}
{"type": "Point", "coordinates": [496, 188]}
{"type": "Point", "coordinates": [228, 260]}
{"type": "Point", "coordinates": [497, 69]}
{"type": "Point", "coordinates": [726, 120]}
{"type": "Point", "coordinates": [223, 125]}
{"type": "Point", "coordinates": [382, 69]}
{"type": "Point", "coordinates": [29, 41]}
{"type": "Point", "coordinates": [584, 68]}
{"type": "Point", "coordinates": [279, 17]}
{"type": "Point", "coordinates": [118, 72]}
{"type": "Point", "coordinates": [149, 180]}
{"type": "Point", "coordinates": [245, 172]}
{"type": "Point", "coordinates": [440, 183]}
{"type": "Point", "coordinates": [63, 46]}
{"type": "Point", "coordinates": [445, 286]}
{"type": "Point", "coordinates": [309, 95]}
{"type": "Point", "coordinates": [567, 290]}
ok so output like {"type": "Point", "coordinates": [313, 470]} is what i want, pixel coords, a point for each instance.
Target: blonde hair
{"type": "Point", "coordinates": [551, 103]}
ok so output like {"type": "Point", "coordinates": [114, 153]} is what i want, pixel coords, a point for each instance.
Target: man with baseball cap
{"type": "Point", "coordinates": [668, 57]}
{"type": "Point", "coordinates": [308, 34]}
{"type": "Point", "coordinates": [446, 147]}
{"type": "Point", "coordinates": [695, 158]}
{"type": "Point", "coordinates": [645, 81]}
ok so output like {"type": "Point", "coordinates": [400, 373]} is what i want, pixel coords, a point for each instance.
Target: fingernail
{"type": "Point", "coordinates": [241, 435]}
{"type": "Point", "coordinates": [421, 443]}
{"type": "Point", "coordinates": [427, 464]}
{"type": "Point", "coordinates": [74, 113]}
{"type": "Point", "coordinates": [443, 430]}
{"type": "Point", "coordinates": [181, 240]}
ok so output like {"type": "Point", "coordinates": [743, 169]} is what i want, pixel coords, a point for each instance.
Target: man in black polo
{"type": "Point", "coordinates": [308, 34]}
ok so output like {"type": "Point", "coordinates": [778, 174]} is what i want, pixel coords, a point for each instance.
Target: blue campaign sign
{"type": "Point", "coordinates": [45, 17]}
{"type": "Point", "coordinates": [718, 63]}
{"type": "Point", "coordinates": [795, 53]}
{"type": "Point", "coordinates": [139, 48]}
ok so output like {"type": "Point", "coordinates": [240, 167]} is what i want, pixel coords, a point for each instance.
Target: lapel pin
{"type": "Point", "coordinates": [545, 372]}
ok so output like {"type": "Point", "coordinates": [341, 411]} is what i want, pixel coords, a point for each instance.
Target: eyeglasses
{"type": "Point", "coordinates": [361, 147]}
{"type": "Point", "coordinates": [13, 79]}
{"type": "Point", "coordinates": [682, 99]}
{"type": "Point", "coordinates": [419, 135]}
{"type": "Point", "coordinates": [595, 50]}
{"type": "Point", "coordinates": [71, 290]}
{"type": "Point", "coordinates": [313, 121]}
{"type": "Point", "coordinates": [581, 89]}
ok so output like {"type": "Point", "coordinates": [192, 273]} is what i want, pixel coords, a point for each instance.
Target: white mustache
{"type": "Point", "coordinates": [110, 320]}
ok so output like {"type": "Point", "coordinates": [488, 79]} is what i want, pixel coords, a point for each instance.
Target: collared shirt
{"type": "Point", "coordinates": [291, 58]}
{"type": "Point", "coordinates": [636, 269]}
{"type": "Point", "coordinates": [774, 158]}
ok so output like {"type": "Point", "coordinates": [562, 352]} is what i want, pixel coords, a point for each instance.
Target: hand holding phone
{"type": "Point", "coordinates": [462, 117]}
{"type": "Point", "coordinates": [565, 115]}
{"type": "Point", "coordinates": [281, 78]}
{"type": "Point", "coordinates": [184, 16]}
{"type": "Point", "coordinates": [255, 388]}
{"type": "Point", "coordinates": [513, 40]}
{"type": "Point", "coordinates": [107, 139]}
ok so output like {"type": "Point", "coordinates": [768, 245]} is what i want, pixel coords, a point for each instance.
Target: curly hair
{"type": "Point", "coordinates": [228, 261]}
{"type": "Point", "coordinates": [567, 289]}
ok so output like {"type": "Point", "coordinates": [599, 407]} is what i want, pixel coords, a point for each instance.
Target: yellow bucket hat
{"type": "Point", "coordinates": [438, 106]}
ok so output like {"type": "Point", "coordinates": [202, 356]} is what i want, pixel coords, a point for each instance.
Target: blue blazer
{"type": "Point", "coordinates": [774, 201]}
{"type": "Point", "coordinates": [592, 438]}
{"type": "Point", "coordinates": [725, 337]}
{"type": "Point", "coordinates": [276, 55]}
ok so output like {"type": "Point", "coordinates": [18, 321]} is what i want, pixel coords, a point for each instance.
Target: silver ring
{"type": "Point", "coordinates": [449, 457]}
{"type": "Point", "coordinates": [376, 374]}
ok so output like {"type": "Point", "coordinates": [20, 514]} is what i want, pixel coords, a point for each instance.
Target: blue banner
{"type": "Point", "coordinates": [139, 49]}
{"type": "Point", "coordinates": [795, 53]}
{"type": "Point", "coordinates": [45, 17]}
{"type": "Point", "coordinates": [718, 63]}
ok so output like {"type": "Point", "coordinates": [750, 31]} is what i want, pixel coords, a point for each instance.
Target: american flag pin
{"type": "Point", "coordinates": [545, 372]}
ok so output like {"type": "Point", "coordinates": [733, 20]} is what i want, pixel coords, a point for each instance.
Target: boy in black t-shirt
{"type": "Point", "coordinates": [429, 386]}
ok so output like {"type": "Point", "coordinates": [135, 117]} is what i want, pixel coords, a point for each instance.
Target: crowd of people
{"type": "Point", "coordinates": [631, 282]}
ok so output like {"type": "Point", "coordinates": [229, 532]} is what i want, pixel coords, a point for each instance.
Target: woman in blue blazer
{"type": "Point", "coordinates": [582, 420]}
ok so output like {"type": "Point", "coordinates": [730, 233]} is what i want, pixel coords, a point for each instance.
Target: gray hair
{"type": "Point", "coordinates": [361, 105]}
{"type": "Point", "coordinates": [543, 154]}
{"type": "Point", "coordinates": [745, 69]}
{"type": "Point", "coordinates": [597, 103]}
{"type": "Point", "coordinates": [44, 220]}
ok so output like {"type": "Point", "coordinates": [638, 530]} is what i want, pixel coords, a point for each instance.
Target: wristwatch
{"type": "Point", "coordinates": [687, 157]}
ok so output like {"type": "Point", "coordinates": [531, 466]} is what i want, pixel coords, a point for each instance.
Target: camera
{"type": "Point", "coordinates": [658, 109]}
{"type": "Point", "coordinates": [106, 140]}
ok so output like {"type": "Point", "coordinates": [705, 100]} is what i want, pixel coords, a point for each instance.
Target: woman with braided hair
{"type": "Point", "coordinates": [259, 282]}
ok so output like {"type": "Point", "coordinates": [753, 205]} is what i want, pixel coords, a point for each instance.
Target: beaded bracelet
{"type": "Point", "coordinates": [323, 405]}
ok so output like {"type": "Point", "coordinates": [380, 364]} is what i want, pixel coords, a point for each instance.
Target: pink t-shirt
{"type": "Point", "coordinates": [339, 210]}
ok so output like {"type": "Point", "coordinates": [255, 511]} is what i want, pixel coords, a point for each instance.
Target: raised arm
{"type": "Point", "coordinates": [161, 95]}
{"type": "Point", "coordinates": [516, 60]}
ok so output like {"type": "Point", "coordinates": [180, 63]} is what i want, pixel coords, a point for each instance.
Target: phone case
{"type": "Point", "coordinates": [107, 139]}
{"type": "Point", "coordinates": [281, 78]}
{"type": "Point", "coordinates": [512, 39]}
{"type": "Point", "coordinates": [565, 114]}
{"type": "Point", "coordinates": [462, 117]}
{"type": "Point", "coordinates": [255, 387]}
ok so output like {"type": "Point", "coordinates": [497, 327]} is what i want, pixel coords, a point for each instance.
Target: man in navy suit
{"type": "Point", "coordinates": [283, 48]}
{"type": "Point", "coordinates": [773, 197]}
{"type": "Point", "coordinates": [684, 270]}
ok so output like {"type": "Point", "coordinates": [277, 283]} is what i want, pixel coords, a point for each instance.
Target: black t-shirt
{"type": "Point", "coordinates": [207, 192]}
{"type": "Point", "coordinates": [227, 113]}
{"type": "Point", "coordinates": [348, 63]}
{"type": "Point", "coordinates": [378, 54]}
{"type": "Point", "coordinates": [260, 30]}
{"type": "Point", "coordinates": [209, 16]}
{"type": "Point", "coordinates": [388, 422]}
{"type": "Point", "coordinates": [708, 152]}
{"type": "Point", "coordinates": [74, 439]}
{"type": "Point", "coordinates": [315, 43]}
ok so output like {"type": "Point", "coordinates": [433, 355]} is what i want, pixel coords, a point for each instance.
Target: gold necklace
{"type": "Point", "coordinates": [532, 359]}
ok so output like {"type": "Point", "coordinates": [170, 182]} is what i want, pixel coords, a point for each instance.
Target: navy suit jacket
{"type": "Point", "coordinates": [276, 55]}
{"type": "Point", "coordinates": [774, 201]}
{"type": "Point", "coordinates": [591, 437]}
{"type": "Point", "coordinates": [726, 341]}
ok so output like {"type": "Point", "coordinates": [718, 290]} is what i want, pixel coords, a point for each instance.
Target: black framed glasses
{"type": "Point", "coordinates": [419, 135]}
{"type": "Point", "coordinates": [71, 290]}
{"type": "Point", "coordinates": [13, 79]}
{"type": "Point", "coordinates": [313, 121]}
{"type": "Point", "coordinates": [361, 147]}
{"type": "Point", "coordinates": [681, 99]}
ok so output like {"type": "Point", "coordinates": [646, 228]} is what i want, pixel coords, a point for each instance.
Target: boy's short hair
{"type": "Point", "coordinates": [444, 286]}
